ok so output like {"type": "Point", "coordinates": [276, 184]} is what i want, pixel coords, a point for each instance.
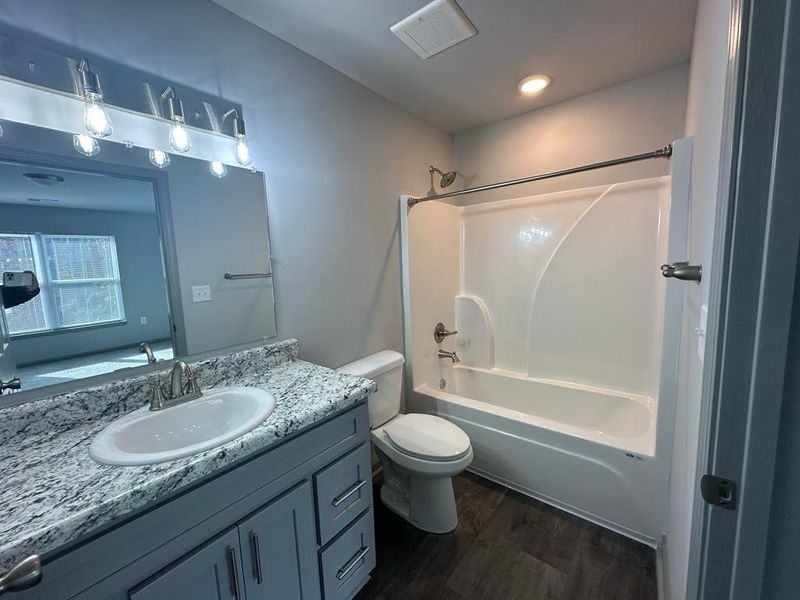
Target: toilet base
{"type": "Point", "coordinates": [426, 502]}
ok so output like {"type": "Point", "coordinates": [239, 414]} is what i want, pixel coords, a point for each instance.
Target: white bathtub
{"type": "Point", "coordinates": [586, 450]}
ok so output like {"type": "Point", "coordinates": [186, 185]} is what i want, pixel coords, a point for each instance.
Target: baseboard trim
{"type": "Point", "coordinates": [662, 582]}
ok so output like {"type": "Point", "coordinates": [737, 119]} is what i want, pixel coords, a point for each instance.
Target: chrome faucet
{"type": "Point", "coordinates": [144, 348]}
{"type": "Point", "coordinates": [178, 393]}
{"type": "Point", "coordinates": [451, 355]}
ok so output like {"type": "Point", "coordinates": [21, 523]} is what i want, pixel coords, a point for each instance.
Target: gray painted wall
{"type": "Point", "coordinates": [220, 226]}
{"type": "Point", "coordinates": [144, 291]}
{"type": "Point", "coordinates": [628, 118]}
{"type": "Point", "coordinates": [336, 155]}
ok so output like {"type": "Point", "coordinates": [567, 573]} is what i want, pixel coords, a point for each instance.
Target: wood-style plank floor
{"type": "Point", "coordinates": [507, 547]}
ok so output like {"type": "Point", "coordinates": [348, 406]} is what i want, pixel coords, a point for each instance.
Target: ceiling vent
{"type": "Point", "coordinates": [434, 28]}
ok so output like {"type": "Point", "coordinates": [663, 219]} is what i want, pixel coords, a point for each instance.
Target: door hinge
{"type": "Point", "coordinates": [718, 491]}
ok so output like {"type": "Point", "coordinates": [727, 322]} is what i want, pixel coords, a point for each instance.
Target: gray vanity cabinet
{"type": "Point", "coordinates": [278, 549]}
{"type": "Point", "coordinates": [249, 532]}
{"type": "Point", "coordinates": [212, 572]}
{"type": "Point", "coordinates": [270, 555]}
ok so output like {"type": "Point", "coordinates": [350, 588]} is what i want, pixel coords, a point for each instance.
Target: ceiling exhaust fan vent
{"type": "Point", "coordinates": [434, 28]}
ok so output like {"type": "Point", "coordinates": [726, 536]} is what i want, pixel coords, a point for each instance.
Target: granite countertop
{"type": "Point", "coordinates": [53, 492]}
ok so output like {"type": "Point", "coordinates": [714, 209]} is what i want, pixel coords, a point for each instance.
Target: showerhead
{"type": "Point", "coordinates": [447, 178]}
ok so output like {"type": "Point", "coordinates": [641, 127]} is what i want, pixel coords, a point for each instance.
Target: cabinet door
{"type": "Point", "coordinates": [212, 572]}
{"type": "Point", "coordinates": [279, 549]}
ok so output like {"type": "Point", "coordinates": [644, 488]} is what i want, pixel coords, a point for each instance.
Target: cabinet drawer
{"type": "Point", "coordinates": [343, 491]}
{"type": "Point", "coordinates": [347, 562]}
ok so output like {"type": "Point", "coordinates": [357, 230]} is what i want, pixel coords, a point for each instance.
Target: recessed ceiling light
{"type": "Point", "coordinates": [534, 84]}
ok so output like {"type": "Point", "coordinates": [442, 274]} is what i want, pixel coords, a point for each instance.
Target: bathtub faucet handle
{"type": "Point", "coordinates": [440, 332]}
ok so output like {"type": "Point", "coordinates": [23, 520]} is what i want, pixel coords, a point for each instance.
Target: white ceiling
{"type": "Point", "coordinates": [81, 190]}
{"type": "Point", "coordinates": [584, 45]}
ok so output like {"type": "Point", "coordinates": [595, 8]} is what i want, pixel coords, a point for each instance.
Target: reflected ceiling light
{"type": "Point", "coordinates": [43, 179]}
{"type": "Point", "coordinates": [218, 169]}
{"type": "Point", "coordinates": [534, 84]}
{"type": "Point", "coordinates": [95, 116]}
{"type": "Point", "coordinates": [159, 158]}
{"type": "Point", "coordinates": [85, 144]}
{"type": "Point", "coordinates": [1, 129]}
{"type": "Point", "coordinates": [243, 156]}
{"type": "Point", "coordinates": [178, 135]}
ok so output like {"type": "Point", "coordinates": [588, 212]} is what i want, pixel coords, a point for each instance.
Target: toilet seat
{"type": "Point", "coordinates": [427, 437]}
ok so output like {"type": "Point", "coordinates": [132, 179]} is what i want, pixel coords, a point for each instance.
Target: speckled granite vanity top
{"type": "Point", "coordinates": [53, 492]}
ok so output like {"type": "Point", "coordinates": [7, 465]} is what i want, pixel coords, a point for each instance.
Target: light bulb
{"type": "Point", "coordinates": [179, 137]}
{"type": "Point", "coordinates": [218, 170]}
{"type": "Point", "coordinates": [159, 158]}
{"type": "Point", "coordinates": [95, 117]}
{"type": "Point", "coordinates": [85, 144]}
{"type": "Point", "coordinates": [243, 151]}
{"type": "Point", "coordinates": [534, 84]}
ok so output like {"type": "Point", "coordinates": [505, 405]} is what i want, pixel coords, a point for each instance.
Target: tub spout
{"type": "Point", "coordinates": [451, 355]}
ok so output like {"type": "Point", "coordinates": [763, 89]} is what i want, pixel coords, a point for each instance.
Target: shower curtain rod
{"type": "Point", "coordinates": [664, 152]}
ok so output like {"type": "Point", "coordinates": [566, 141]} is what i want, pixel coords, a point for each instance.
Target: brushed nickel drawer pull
{"type": "Point", "coordinates": [256, 557]}
{"type": "Point", "coordinates": [234, 575]}
{"type": "Point", "coordinates": [24, 574]}
{"type": "Point", "coordinates": [351, 564]}
{"type": "Point", "coordinates": [356, 486]}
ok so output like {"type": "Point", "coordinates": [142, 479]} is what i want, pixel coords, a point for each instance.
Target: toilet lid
{"type": "Point", "coordinates": [428, 437]}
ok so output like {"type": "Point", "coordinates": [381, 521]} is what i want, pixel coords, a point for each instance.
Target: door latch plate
{"type": "Point", "coordinates": [718, 491]}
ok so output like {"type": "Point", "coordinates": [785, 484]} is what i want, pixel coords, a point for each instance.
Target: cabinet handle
{"type": "Point", "coordinates": [356, 486]}
{"type": "Point", "coordinates": [351, 564]}
{"type": "Point", "coordinates": [256, 557]}
{"type": "Point", "coordinates": [24, 574]}
{"type": "Point", "coordinates": [234, 575]}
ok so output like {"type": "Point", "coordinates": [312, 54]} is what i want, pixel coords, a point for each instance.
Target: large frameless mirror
{"type": "Point", "coordinates": [102, 254]}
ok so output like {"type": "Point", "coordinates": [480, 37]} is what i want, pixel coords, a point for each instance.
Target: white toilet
{"type": "Point", "coordinates": [420, 453]}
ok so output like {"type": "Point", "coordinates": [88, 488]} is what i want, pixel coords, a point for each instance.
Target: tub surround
{"type": "Point", "coordinates": [54, 493]}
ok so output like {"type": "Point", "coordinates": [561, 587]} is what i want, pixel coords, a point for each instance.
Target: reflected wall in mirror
{"type": "Point", "coordinates": [122, 253]}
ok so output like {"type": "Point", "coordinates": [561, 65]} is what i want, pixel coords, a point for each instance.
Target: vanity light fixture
{"type": "Point", "coordinates": [534, 84]}
{"type": "Point", "coordinates": [178, 135]}
{"type": "Point", "coordinates": [159, 158]}
{"type": "Point", "coordinates": [218, 169]}
{"type": "Point", "coordinates": [95, 116]}
{"type": "Point", "coordinates": [85, 144]}
{"type": "Point", "coordinates": [243, 156]}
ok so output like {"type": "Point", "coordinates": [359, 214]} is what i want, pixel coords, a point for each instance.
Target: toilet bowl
{"type": "Point", "coordinates": [419, 453]}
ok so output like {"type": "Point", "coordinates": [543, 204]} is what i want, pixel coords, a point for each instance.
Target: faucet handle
{"type": "Point", "coordinates": [440, 332]}
{"type": "Point", "coordinates": [192, 387]}
{"type": "Point", "coordinates": [157, 395]}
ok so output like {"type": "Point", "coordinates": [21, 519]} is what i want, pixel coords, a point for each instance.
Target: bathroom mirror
{"type": "Point", "coordinates": [123, 252]}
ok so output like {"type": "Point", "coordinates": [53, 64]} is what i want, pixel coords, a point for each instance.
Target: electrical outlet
{"type": "Point", "coordinates": [201, 293]}
{"type": "Point", "coordinates": [142, 320]}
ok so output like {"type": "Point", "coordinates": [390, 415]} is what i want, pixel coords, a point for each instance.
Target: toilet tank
{"type": "Point", "coordinates": [386, 369]}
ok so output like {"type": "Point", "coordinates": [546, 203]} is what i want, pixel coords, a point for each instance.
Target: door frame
{"type": "Point", "coordinates": [753, 289]}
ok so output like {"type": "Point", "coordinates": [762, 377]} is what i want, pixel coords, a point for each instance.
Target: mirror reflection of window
{"type": "Point", "coordinates": [79, 277]}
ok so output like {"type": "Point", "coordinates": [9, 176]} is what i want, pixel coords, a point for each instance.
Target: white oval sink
{"type": "Point", "coordinates": [144, 437]}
